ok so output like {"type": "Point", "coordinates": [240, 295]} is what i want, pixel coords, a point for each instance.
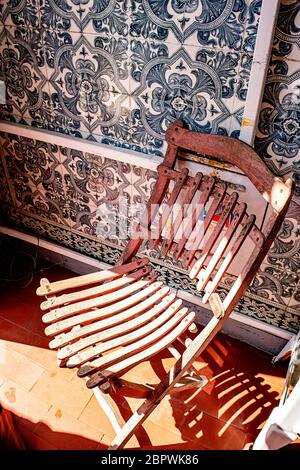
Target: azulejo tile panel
{"type": "Point", "coordinates": [276, 285]}
{"type": "Point", "coordinates": [102, 16]}
{"type": "Point", "coordinates": [278, 138]}
{"type": "Point", "coordinates": [285, 251]}
{"type": "Point", "coordinates": [61, 15]}
{"type": "Point", "coordinates": [278, 131]}
{"type": "Point", "coordinates": [196, 85]}
{"type": "Point", "coordinates": [287, 35]}
{"type": "Point", "coordinates": [23, 68]}
{"type": "Point", "coordinates": [209, 23]}
{"type": "Point", "coordinates": [95, 188]}
{"type": "Point", "coordinates": [88, 46]}
{"type": "Point", "coordinates": [20, 12]}
{"type": "Point", "coordinates": [35, 177]}
{"type": "Point", "coordinates": [89, 83]}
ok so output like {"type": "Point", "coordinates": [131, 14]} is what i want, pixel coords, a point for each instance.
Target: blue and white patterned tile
{"type": "Point", "coordinates": [114, 122]}
{"type": "Point", "coordinates": [196, 85]}
{"type": "Point", "coordinates": [37, 160]}
{"type": "Point", "coordinates": [251, 24]}
{"type": "Point", "coordinates": [24, 13]}
{"type": "Point", "coordinates": [23, 65]}
{"type": "Point", "coordinates": [294, 301]}
{"type": "Point", "coordinates": [35, 170]}
{"type": "Point", "coordinates": [62, 82]}
{"type": "Point", "coordinates": [106, 17]}
{"type": "Point", "coordinates": [284, 254]}
{"type": "Point", "coordinates": [102, 222]}
{"type": "Point", "coordinates": [60, 15]}
{"type": "Point", "coordinates": [142, 184]}
{"type": "Point", "coordinates": [287, 34]}
{"type": "Point", "coordinates": [6, 201]}
{"type": "Point", "coordinates": [92, 183]}
{"type": "Point", "coordinates": [210, 23]}
{"type": "Point", "coordinates": [278, 136]}
{"type": "Point", "coordinates": [274, 284]}
{"type": "Point", "coordinates": [3, 45]}
{"type": "Point", "coordinates": [89, 80]}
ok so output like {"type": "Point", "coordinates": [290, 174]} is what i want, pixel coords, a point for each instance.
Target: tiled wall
{"type": "Point", "coordinates": [118, 72]}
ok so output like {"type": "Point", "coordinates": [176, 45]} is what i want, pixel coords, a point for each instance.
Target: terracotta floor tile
{"type": "Point", "coordinates": [150, 371]}
{"type": "Point", "coordinates": [34, 442]}
{"type": "Point", "coordinates": [17, 334]}
{"type": "Point", "coordinates": [246, 401]}
{"type": "Point", "coordinates": [165, 415]}
{"type": "Point", "coordinates": [23, 404]}
{"type": "Point", "coordinates": [18, 367]}
{"type": "Point", "coordinates": [206, 399]}
{"type": "Point", "coordinates": [25, 311]}
{"type": "Point", "coordinates": [207, 431]}
{"type": "Point", "coordinates": [19, 347]}
{"type": "Point", "coordinates": [257, 363]}
{"type": "Point", "coordinates": [72, 397]}
{"type": "Point", "coordinates": [221, 355]}
{"type": "Point", "coordinates": [45, 358]}
{"type": "Point", "coordinates": [65, 432]}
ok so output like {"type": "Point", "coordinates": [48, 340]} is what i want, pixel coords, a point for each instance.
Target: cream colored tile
{"type": "Point", "coordinates": [94, 416]}
{"type": "Point", "coordinates": [18, 367]}
{"type": "Point", "coordinates": [22, 403]}
{"type": "Point", "coordinates": [72, 397]}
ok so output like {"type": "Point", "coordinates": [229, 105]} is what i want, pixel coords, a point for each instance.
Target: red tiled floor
{"type": "Point", "coordinates": [53, 409]}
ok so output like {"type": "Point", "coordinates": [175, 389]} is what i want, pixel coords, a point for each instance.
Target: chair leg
{"type": "Point", "coordinates": [110, 409]}
{"type": "Point", "coordinates": [178, 370]}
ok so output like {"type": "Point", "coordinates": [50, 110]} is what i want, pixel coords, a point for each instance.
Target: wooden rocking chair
{"type": "Point", "coordinates": [111, 320]}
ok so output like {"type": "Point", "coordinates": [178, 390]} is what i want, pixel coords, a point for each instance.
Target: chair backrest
{"type": "Point", "coordinates": [199, 221]}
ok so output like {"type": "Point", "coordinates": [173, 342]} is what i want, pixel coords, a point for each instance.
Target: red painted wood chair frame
{"type": "Point", "coordinates": [128, 316]}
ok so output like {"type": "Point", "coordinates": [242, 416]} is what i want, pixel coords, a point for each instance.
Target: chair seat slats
{"type": "Point", "coordinates": [106, 288]}
{"type": "Point", "coordinates": [100, 301]}
{"type": "Point", "coordinates": [169, 206]}
{"type": "Point", "coordinates": [108, 335]}
{"type": "Point", "coordinates": [137, 339]}
{"type": "Point", "coordinates": [194, 239]}
{"type": "Point", "coordinates": [114, 325]}
{"type": "Point", "coordinates": [48, 288]}
{"type": "Point", "coordinates": [101, 313]}
{"type": "Point", "coordinates": [187, 199]}
{"type": "Point", "coordinates": [208, 245]}
{"type": "Point", "coordinates": [100, 377]}
{"type": "Point", "coordinates": [206, 188]}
